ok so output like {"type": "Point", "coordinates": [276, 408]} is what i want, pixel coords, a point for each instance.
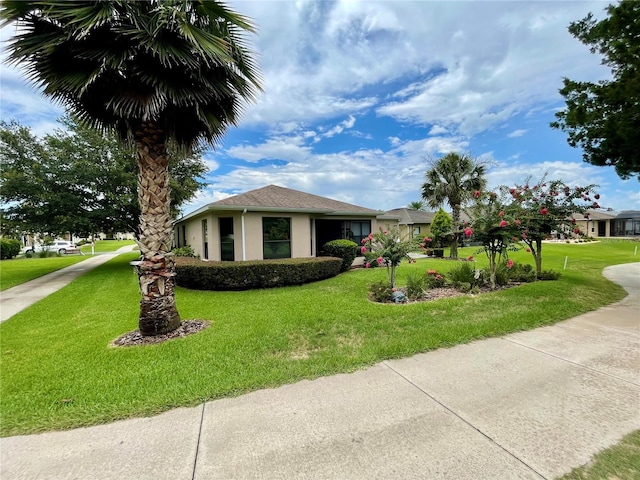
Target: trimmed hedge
{"type": "Point", "coordinates": [9, 248]}
{"type": "Point", "coordinates": [344, 249]}
{"type": "Point", "coordinates": [199, 275]}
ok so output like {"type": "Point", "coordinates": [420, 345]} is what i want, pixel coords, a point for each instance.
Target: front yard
{"type": "Point", "coordinates": [59, 372]}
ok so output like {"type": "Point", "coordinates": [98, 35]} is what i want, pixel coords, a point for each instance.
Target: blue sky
{"type": "Point", "coordinates": [359, 95]}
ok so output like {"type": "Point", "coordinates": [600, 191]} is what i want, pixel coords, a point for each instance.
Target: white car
{"type": "Point", "coordinates": [60, 246]}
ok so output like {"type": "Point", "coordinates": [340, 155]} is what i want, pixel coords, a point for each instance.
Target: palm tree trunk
{"type": "Point", "coordinates": [156, 270]}
{"type": "Point", "coordinates": [455, 227]}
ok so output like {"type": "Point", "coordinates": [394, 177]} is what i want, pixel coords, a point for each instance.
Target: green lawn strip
{"type": "Point", "coordinates": [619, 462]}
{"type": "Point", "coordinates": [20, 270]}
{"type": "Point", "coordinates": [104, 246]}
{"type": "Point", "coordinates": [58, 371]}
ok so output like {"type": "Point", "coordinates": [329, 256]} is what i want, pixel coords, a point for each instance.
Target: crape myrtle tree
{"type": "Point", "coordinates": [548, 207]}
{"type": "Point", "coordinates": [603, 118]}
{"type": "Point", "coordinates": [391, 249]}
{"type": "Point", "coordinates": [154, 72]}
{"type": "Point", "coordinates": [453, 179]}
{"type": "Point", "coordinates": [495, 226]}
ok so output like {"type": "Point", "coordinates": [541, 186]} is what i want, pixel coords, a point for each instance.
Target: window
{"type": "Point", "coordinates": [416, 231]}
{"type": "Point", "coordinates": [276, 237]}
{"type": "Point", "coordinates": [356, 231]}
{"type": "Point", "coordinates": [205, 240]}
{"type": "Point", "coordinates": [226, 239]}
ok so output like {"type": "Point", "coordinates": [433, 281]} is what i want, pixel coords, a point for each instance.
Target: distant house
{"type": "Point", "coordinates": [412, 223]}
{"type": "Point", "coordinates": [601, 223]}
{"type": "Point", "coordinates": [273, 222]}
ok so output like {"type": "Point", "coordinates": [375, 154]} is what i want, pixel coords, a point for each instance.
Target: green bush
{"type": "Point", "coordinates": [522, 272]}
{"type": "Point", "coordinates": [502, 274]}
{"type": "Point", "coordinates": [380, 292]}
{"type": "Point", "coordinates": [466, 278]}
{"type": "Point", "coordinates": [549, 275]}
{"type": "Point", "coordinates": [199, 275]}
{"type": "Point", "coordinates": [344, 249]}
{"type": "Point", "coordinates": [185, 251]}
{"type": "Point", "coordinates": [9, 248]}
{"type": "Point", "coordinates": [415, 285]}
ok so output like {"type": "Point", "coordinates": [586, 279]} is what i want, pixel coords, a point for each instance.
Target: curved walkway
{"type": "Point", "coordinates": [16, 299]}
{"type": "Point", "coordinates": [529, 405]}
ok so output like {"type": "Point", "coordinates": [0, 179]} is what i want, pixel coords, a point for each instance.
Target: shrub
{"type": "Point", "coordinates": [344, 249]}
{"type": "Point", "coordinates": [434, 279]}
{"type": "Point", "coordinates": [380, 292]}
{"type": "Point", "coordinates": [465, 277]}
{"type": "Point", "coordinates": [9, 248]}
{"type": "Point", "coordinates": [198, 275]}
{"type": "Point", "coordinates": [548, 275]}
{"type": "Point", "coordinates": [185, 251]}
{"type": "Point", "coordinates": [415, 285]}
{"type": "Point", "coordinates": [522, 272]}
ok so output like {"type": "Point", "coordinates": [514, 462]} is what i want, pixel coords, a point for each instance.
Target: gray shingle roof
{"type": "Point", "coordinates": [273, 197]}
{"type": "Point", "coordinates": [408, 216]}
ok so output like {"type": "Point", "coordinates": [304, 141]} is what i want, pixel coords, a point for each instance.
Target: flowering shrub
{"type": "Point", "coordinates": [434, 279]}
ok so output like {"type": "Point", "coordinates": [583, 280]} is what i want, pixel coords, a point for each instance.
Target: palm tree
{"type": "Point", "coordinates": [453, 179]}
{"type": "Point", "coordinates": [417, 205]}
{"type": "Point", "coordinates": [155, 72]}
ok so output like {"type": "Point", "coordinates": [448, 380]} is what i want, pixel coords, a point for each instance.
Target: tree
{"type": "Point", "coordinates": [545, 208]}
{"type": "Point", "coordinates": [79, 180]}
{"type": "Point", "coordinates": [441, 228]}
{"type": "Point", "coordinates": [390, 248]}
{"type": "Point", "coordinates": [495, 227]}
{"type": "Point", "coordinates": [453, 179]}
{"type": "Point", "coordinates": [604, 118]}
{"type": "Point", "coordinates": [153, 71]}
{"type": "Point", "coordinates": [417, 205]}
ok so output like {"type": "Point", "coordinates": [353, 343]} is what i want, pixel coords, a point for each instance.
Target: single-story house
{"type": "Point", "coordinates": [601, 223]}
{"type": "Point", "coordinates": [273, 222]}
{"type": "Point", "coordinates": [412, 223]}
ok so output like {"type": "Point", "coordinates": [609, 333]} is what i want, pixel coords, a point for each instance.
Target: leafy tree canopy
{"type": "Point", "coordinates": [79, 180]}
{"type": "Point", "coordinates": [603, 118]}
{"type": "Point", "coordinates": [441, 228]}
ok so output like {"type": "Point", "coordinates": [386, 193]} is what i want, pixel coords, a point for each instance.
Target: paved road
{"type": "Point", "coordinates": [16, 299]}
{"type": "Point", "coordinates": [529, 405]}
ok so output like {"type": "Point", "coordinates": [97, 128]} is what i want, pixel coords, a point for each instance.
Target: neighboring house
{"type": "Point", "coordinates": [412, 223]}
{"type": "Point", "coordinates": [609, 223]}
{"type": "Point", "coordinates": [273, 222]}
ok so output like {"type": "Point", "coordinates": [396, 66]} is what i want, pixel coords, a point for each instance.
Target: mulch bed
{"type": "Point", "coordinates": [188, 327]}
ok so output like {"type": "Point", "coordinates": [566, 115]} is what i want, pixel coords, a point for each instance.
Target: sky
{"type": "Point", "coordinates": [361, 96]}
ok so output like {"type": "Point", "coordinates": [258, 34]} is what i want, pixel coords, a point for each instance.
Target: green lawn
{"type": "Point", "coordinates": [59, 372]}
{"type": "Point", "coordinates": [20, 270]}
{"type": "Point", "coordinates": [619, 462]}
{"type": "Point", "coordinates": [102, 246]}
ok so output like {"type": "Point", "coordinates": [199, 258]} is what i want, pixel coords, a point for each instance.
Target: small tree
{"type": "Point", "coordinates": [548, 207]}
{"type": "Point", "coordinates": [441, 228]}
{"type": "Point", "coordinates": [390, 248]}
{"type": "Point", "coordinates": [495, 227]}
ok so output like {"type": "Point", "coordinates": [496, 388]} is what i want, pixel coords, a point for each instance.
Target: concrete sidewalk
{"type": "Point", "coordinates": [529, 405]}
{"type": "Point", "coordinates": [16, 299]}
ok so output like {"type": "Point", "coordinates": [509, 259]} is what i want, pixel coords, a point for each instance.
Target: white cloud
{"type": "Point", "coordinates": [517, 133]}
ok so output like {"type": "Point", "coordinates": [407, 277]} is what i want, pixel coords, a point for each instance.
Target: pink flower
{"type": "Point", "coordinates": [517, 222]}
{"type": "Point", "coordinates": [512, 191]}
{"type": "Point", "coordinates": [367, 265]}
{"type": "Point", "coordinates": [543, 211]}
{"type": "Point", "coordinates": [470, 258]}
{"type": "Point", "coordinates": [597, 196]}
{"type": "Point", "coordinates": [573, 220]}
{"type": "Point", "coordinates": [438, 277]}
{"type": "Point", "coordinates": [504, 223]}
{"type": "Point", "coordinates": [528, 250]}
{"type": "Point", "coordinates": [509, 263]}
{"type": "Point", "coordinates": [363, 240]}
{"type": "Point", "coordinates": [380, 260]}
{"type": "Point", "coordinates": [363, 250]}
{"type": "Point", "coordinates": [501, 213]}
{"type": "Point", "coordinates": [576, 230]}
{"type": "Point", "coordinates": [596, 205]}
{"type": "Point", "coordinates": [431, 272]}
{"type": "Point", "coordinates": [427, 239]}
{"type": "Point", "coordinates": [385, 232]}
{"type": "Point", "coordinates": [524, 235]}
{"type": "Point", "coordinates": [468, 232]}
{"type": "Point", "coordinates": [476, 194]}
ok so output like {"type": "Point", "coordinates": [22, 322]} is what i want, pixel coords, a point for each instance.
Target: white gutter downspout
{"type": "Point", "coordinates": [244, 245]}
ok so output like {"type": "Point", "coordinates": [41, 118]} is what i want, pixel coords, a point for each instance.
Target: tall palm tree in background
{"type": "Point", "coordinates": [453, 179]}
{"type": "Point", "coordinates": [417, 205]}
{"type": "Point", "coordinates": [155, 72]}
